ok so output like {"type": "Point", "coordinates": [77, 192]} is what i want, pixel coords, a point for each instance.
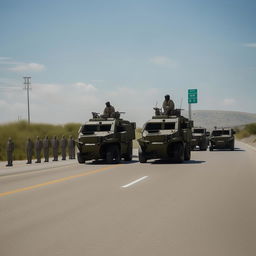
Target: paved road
{"type": "Point", "coordinates": [204, 207]}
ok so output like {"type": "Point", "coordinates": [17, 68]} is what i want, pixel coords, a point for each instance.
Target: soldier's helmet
{"type": "Point", "coordinates": [107, 104]}
{"type": "Point", "coordinates": [167, 97]}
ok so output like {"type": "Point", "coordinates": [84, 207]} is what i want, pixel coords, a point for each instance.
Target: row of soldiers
{"type": "Point", "coordinates": [43, 145]}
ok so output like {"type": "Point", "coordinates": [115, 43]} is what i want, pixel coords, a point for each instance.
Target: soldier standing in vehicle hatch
{"type": "Point", "coordinates": [29, 150]}
{"type": "Point", "coordinates": [63, 145]}
{"type": "Point", "coordinates": [168, 105]}
{"type": "Point", "coordinates": [109, 110]}
{"type": "Point", "coordinates": [9, 151]}
{"type": "Point", "coordinates": [55, 148]}
{"type": "Point", "coordinates": [71, 148]}
{"type": "Point", "coordinates": [46, 147]}
{"type": "Point", "coordinates": [38, 148]}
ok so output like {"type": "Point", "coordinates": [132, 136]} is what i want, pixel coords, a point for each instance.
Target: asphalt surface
{"type": "Point", "coordinates": [203, 207]}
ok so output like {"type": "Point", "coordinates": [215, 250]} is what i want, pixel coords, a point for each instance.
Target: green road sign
{"type": "Point", "coordinates": [192, 96]}
{"type": "Point", "coordinates": [192, 91]}
{"type": "Point", "coordinates": [192, 101]}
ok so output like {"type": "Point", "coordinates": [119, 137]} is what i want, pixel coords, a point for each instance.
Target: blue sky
{"type": "Point", "coordinates": [83, 53]}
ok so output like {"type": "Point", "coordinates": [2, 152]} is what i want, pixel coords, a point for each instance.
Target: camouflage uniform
{"type": "Point", "coordinates": [55, 148]}
{"type": "Point", "coordinates": [71, 148]}
{"type": "Point", "coordinates": [46, 147]}
{"type": "Point", "coordinates": [29, 150]}
{"type": "Point", "coordinates": [9, 151]}
{"type": "Point", "coordinates": [63, 145]}
{"type": "Point", "coordinates": [38, 148]}
{"type": "Point", "coordinates": [168, 106]}
{"type": "Point", "coordinates": [109, 110]}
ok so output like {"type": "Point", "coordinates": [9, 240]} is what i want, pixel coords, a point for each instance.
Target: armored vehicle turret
{"type": "Point", "coordinates": [199, 138]}
{"type": "Point", "coordinates": [106, 138]}
{"type": "Point", "coordinates": [222, 138]}
{"type": "Point", "coordinates": [166, 137]}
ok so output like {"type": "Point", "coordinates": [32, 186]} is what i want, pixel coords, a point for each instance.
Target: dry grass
{"type": "Point", "coordinates": [20, 131]}
{"type": "Point", "coordinates": [248, 130]}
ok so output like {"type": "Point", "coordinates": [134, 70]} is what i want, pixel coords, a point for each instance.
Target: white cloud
{"type": "Point", "coordinates": [85, 86]}
{"type": "Point", "coordinates": [5, 58]}
{"type": "Point", "coordinates": [28, 67]}
{"type": "Point", "coordinates": [229, 102]}
{"type": "Point", "coordinates": [163, 61]}
{"type": "Point", "coordinates": [251, 45]}
{"type": "Point", "coordinates": [18, 66]}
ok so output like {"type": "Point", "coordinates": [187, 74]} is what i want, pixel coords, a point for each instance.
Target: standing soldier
{"type": "Point", "coordinates": [63, 145]}
{"type": "Point", "coordinates": [46, 147]}
{"type": "Point", "coordinates": [71, 147]}
{"type": "Point", "coordinates": [29, 150]}
{"type": "Point", "coordinates": [109, 110]}
{"type": "Point", "coordinates": [9, 151]}
{"type": "Point", "coordinates": [38, 148]}
{"type": "Point", "coordinates": [168, 105]}
{"type": "Point", "coordinates": [55, 148]}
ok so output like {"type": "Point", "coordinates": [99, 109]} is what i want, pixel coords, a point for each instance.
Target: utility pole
{"type": "Point", "coordinates": [27, 83]}
{"type": "Point", "coordinates": [189, 112]}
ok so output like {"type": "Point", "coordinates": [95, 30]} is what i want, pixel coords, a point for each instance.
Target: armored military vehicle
{"type": "Point", "coordinates": [106, 138]}
{"type": "Point", "coordinates": [166, 137]}
{"type": "Point", "coordinates": [222, 138]}
{"type": "Point", "coordinates": [199, 138]}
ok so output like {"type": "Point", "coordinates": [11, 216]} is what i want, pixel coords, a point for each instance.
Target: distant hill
{"type": "Point", "coordinates": [211, 118]}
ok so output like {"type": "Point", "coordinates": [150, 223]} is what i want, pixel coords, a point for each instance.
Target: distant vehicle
{"type": "Point", "coordinates": [166, 137]}
{"type": "Point", "coordinates": [106, 138]}
{"type": "Point", "coordinates": [200, 138]}
{"type": "Point", "coordinates": [222, 138]}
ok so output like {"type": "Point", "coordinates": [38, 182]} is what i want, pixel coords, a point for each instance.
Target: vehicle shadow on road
{"type": "Point", "coordinates": [103, 162]}
{"type": "Point", "coordinates": [172, 162]}
{"type": "Point", "coordinates": [228, 150]}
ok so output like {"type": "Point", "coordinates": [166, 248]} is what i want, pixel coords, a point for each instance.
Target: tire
{"type": "Point", "coordinates": [113, 155]}
{"type": "Point", "coordinates": [128, 155]}
{"type": "Point", "coordinates": [142, 156]}
{"type": "Point", "coordinates": [80, 158]}
{"type": "Point", "coordinates": [179, 153]}
{"type": "Point", "coordinates": [187, 153]}
{"type": "Point", "coordinates": [232, 148]}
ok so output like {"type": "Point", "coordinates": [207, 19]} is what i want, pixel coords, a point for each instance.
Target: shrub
{"type": "Point", "coordinates": [20, 131]}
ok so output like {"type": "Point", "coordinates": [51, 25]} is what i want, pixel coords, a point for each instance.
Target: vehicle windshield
{"type": "Point", "coordinates": [198, 131]}
{"type": "Point", "coordinates": [160, 126]}
{"type": "Point", "coordinates": [91, 128]}
{"type": "Point", "coordinates": [220, 132]}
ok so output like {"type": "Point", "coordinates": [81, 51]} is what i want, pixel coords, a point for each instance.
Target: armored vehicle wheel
{"type": "Point", "coordinates": [80, 158]}
{"type": "Point", "coordinates": [142, 157]}
{"type": "Point", "coordinates": [113, 155]}
{"type": "Point", "coordinates": [179, 153]}
{"type": "Point", "coordinates": [203, 148]}
{"type": "Point", "coordinates": [128, 155]}
{"type": "Point", "coordinates": [187, 153]}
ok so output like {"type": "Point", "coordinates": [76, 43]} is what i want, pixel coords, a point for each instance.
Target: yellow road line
{"type": "Point", "coordinates": [34, 171]}
{"type": "Point", "coordinates": [57, 181]}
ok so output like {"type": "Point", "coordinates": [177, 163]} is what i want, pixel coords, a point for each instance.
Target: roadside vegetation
{"type": "Point", "coordinates": [20, 131]}
{"type": "Point", "coordinates": [137, 136]}
{"type": "Point", "coordinates": [246, 131]}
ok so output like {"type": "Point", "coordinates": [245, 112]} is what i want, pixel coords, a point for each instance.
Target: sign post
{"type": "Point", "coordinates": [192, 99]}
